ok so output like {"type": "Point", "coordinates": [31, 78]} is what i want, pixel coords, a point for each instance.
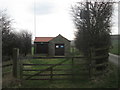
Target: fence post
{"type": "Point", "coordinates": [21, 70]}
{"type": "Point", "coordinates": [90, 62]}
{"type": "Point", "coordinates": [51, 73]}
{"type": "Point", "coordinates": [15, 61]}
{"type": "Point", "coordinates": [72, 67]}
{"type": "Point", "coordinates": [72, 61]}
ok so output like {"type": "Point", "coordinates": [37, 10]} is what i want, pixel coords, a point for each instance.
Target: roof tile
{"type": "Point", "coordinates": [43, 39]}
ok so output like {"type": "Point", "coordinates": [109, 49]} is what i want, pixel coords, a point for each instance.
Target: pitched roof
{"type": "Point", "coordinates": [62, 37]}
{"type": "Point", "coordinates": [43, 39]}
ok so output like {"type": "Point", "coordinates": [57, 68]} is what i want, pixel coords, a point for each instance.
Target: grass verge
{"type": "Point", "coordinates": [81, 80]}
{"type": "Point", "coordinates": [115, 49]}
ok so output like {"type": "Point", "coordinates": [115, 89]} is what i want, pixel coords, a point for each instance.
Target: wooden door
{"type": "Point", "coordinates": [59, 49]}
{"type": "Point", "coordinates": [42, 48]}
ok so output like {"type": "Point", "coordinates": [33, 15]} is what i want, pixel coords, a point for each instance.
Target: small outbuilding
{"type": "Point", "coordinates": [52, 46]}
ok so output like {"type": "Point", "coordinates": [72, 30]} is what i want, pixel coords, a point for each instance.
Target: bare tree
{"type": "Point", "coordinates": [25, 42]}
{"type": "Point", "coordinates": [7, 35]}
{"type": "Point", "coordinates": [12, 39]}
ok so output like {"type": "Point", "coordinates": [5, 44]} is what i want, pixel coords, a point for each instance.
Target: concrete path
{"type": "Point", "coordinates": [114, 59]}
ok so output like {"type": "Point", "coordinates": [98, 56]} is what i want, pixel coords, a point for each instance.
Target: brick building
{"type": "Point", "coordinates": [52, 46]}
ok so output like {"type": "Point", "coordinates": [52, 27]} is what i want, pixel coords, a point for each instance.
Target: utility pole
{"type": "Point", "coordinates": [35, 18]}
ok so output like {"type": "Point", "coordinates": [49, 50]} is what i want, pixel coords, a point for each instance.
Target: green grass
{"type": "Point", "coordinates": [75, 52]}
{"type": "Point", "coordinates": [110, 80]}
{"type": "Point", "coordinates": [32, 50]}
{"type": "Point", "coordinates": [8, 68]}
{"type": "Point", "coordinates": [115, 49]}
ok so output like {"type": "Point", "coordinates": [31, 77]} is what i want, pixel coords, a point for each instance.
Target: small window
{"type": "Point", "coordinates": [62, 46]}
{"type": "Point", "coordinates": [57, 46]}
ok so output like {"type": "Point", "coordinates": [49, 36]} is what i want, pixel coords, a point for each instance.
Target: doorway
{"type": "Point", "coordinates": [42, 48]}
{"type": "Point", "coordinates": [59, 49]}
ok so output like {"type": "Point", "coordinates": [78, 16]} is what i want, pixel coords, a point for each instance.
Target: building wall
{"type": "Point", "coordinates": [59, 40]}
{"type": "Point", "coordinates": [36, 48]}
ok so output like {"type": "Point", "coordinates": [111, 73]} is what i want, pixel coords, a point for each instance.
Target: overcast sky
{"type": "Point", "coordinates": [45, 18]}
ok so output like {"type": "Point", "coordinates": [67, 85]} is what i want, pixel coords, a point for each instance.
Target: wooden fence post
{"type": "Point", "coordinates": [72, 61]}
{"type": "Point", "coordinates": [72, 67]}
{"type": "Point", "coordinates": [15, 61]}
{"type": "Point", "coordinates": [90, 62]}
{"type": "Point", "coordinates": [51, 73]}
{"type": "Point", "coordinates": [21, 70]}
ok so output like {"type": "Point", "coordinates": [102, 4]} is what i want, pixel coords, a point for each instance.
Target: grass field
{"type": "Point", "coordinates": [110, 80]}
{"type": "Point", "coordinates": [115, 47]}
